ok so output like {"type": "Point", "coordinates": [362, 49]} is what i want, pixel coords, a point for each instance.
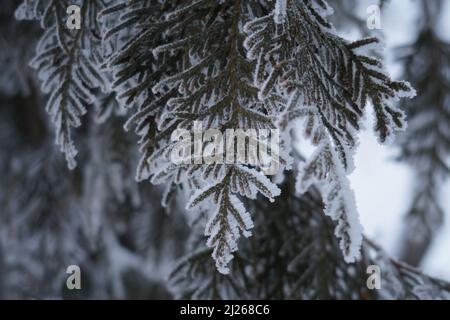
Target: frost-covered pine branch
{"type": "Point", "coordinates": [199, 65]}
{"type": "Point", "coordinates": [328, 81]}
{"type": "Point", "coordinates": [200, 74]}
{"type": "Point", "coordinates": [67, 63]}
{"type": "Point", "coordinates": [227, 66]}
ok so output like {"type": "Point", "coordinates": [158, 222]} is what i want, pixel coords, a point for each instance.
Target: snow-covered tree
{"type": "Point", "coordinates": [162, 68]}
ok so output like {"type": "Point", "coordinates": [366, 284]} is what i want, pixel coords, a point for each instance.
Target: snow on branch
{"type": "Point", "coordinates": [67, 64]}
{"type": "Point", "coordinates": [329, 82]}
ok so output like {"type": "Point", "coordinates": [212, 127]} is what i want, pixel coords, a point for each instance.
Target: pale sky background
{"type": "Point", "coordinates": [383, 186]}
